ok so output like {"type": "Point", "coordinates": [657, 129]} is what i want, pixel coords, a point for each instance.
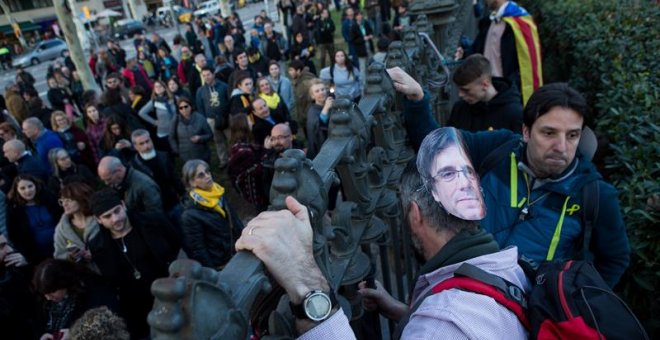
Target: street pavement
{"type": "Point", "coordinates": [39, 71]}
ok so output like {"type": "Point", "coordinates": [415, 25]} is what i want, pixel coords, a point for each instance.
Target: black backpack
{"type": "Point", "coordinates": [246, 172]}
{"type": "Point", "coordinates": [568, 300]}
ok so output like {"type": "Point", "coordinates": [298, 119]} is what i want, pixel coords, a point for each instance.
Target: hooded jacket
{"type": "Point", "coordinates": [504, 111]}
{"type": "Point", "coordinates": [557, 202]}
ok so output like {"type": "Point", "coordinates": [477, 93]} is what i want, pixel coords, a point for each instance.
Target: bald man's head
{"type": "Point", "coordinates": [111, 171]}
{"type": "Point", "coordinates": [13, 150]}
{"type": "Point", "coordinates": [281, 137]}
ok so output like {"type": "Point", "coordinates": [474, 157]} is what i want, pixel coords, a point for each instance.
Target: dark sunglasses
{"type": "Point", "coordinates": [184, 107]}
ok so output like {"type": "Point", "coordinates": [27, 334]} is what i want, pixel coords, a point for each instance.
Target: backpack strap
{"type": "Point", "coordinates": [475, 280]}
{"type": "Point", "coordinates": [496, 156]}
{"type": "Point", "coordinates": [591, 203]}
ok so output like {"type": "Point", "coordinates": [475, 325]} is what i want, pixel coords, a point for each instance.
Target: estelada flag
{"type": "Point", "coordinates": [528, 48]}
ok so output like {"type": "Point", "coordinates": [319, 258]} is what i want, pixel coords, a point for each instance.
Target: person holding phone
{"type": "Point", "coordinates": [76, 226]}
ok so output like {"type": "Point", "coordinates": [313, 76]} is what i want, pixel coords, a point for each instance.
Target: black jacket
{"type": "Point", "coordinates": [31, 165]}
{"type": "Point", "coordinates": [126, 112]}
{"type": "Point", "coordinates": [504, 111]}
{"type": "Point", "coordinates": [206, 234]}
{"type": "Point", "coordinates": [324, 31]}
{"type": "Point", "coordinates": [77, 173]}
{"type": "Point", "coordinates": [158, 233]}
{"type": "Point", "coordinates": [262, 127]}
{"type": "Point", "coordinates": [58, 97]}
{"type": "Point", "coordinates": [170, 185]}
{"type": "Point", "coordinates": [357, 39]}
{"type": "Point", "coordinates": [194, 80]}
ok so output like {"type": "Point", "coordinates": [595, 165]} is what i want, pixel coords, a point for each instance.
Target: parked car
{"type": "Point", "coordinates": [127, 28]}
{"type": "Point", "coordinates": [43, 51]}
{"type": "Point", "coordinates": [183, 14]}
{"type": "Point", "coordinates": [207, 8]}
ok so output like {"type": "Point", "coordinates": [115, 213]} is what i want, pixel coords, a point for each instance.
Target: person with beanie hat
{"type": "Point", "coordinates": [131, 251]}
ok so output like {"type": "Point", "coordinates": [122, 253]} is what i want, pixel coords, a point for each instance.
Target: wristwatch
{"type": "Point", "coordinates": [316, 306]}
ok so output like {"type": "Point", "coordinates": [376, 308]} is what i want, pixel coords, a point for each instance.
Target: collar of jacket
{"type": "Point", "coordinates": [465, 245]}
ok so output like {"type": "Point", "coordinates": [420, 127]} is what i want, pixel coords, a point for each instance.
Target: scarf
{"type": "Point", "coordinates": [272, 100]}
{"type": "Point", "coordinates": [136, 101]}
{"type": "Point", "coordinates": [210, 199]}
{"type": "Point", "coordinates": [465, 245]}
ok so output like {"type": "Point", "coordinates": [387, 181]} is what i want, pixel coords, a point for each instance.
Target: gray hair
{"type": "Point", "coordinates": [189, 169]}
{"type": "Point", "coordinates": [16, 145]}
{"type": "Point", "coordinates": [34, 122]}
{"type": "Point", "coordinates": [139, 133]}
{"type": "Point", "coordinates": [52, 159]}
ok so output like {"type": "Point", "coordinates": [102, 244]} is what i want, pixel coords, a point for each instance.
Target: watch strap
{"type": "Point", "coordinates": [298, 310]}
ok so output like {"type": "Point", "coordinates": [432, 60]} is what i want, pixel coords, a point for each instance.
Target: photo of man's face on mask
{"type": "Point", "coordinates": [449, 175]}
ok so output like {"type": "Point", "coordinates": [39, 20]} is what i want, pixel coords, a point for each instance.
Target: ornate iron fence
{"type": "Point", "coordinates": [365, 152]}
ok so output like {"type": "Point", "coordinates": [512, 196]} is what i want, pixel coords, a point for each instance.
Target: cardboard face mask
{"type": "Point", "coordinates": [449, 175]}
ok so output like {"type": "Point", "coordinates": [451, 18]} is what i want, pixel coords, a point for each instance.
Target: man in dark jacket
{"type": "Point", "coordinates": [241, 64]}
{"type": "Point", "coordinates": [272, 44]}
{"type": "Point", "coordinates": [158, 166]}
{"type": "Point", "coordinates": [487, 103]}
{"type": "Point", "coordinates": [194, 75]}
{"type": "Point", "coordinates": [27, 164]}
{"type": "Point", "coordinates": [131, 251]}
{"type": "Point", "coordinates": [534, 193]}
{"type": "Point", "coordinates": [361, 35]}
{"type": "Point", "coordinates": [325, 39]}
{"type": "Point", "coordinates": [140, 192]}
{"type": "Point", "coordinates": [212, 101]}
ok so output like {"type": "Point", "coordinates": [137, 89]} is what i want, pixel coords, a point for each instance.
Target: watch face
{"type": "Point", "coordinates": [318, 306]}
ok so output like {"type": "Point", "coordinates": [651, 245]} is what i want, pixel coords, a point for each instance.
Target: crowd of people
{"type": "Point", "coordinates": [100, 192]}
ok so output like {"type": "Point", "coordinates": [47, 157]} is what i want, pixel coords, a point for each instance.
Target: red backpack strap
{"type": "Point", "coordinates": [474, 285]}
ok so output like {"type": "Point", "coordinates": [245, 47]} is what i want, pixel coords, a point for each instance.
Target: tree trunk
{"type": "Point", "coordinates": [225, 9]}
{"type": "Point", "coordinates": [133, 8]}
{"type": "Point", "coordinates": [65, 19]}
{"type": "Point", "coordinates": [13, 22]}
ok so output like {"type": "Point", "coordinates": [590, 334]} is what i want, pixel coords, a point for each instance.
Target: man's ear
{"type": "Point", "coordinates": [486, 82]}
{"type": "Point", "coordinates": [414, 216]}
{"type": "Point", "coordinates": [526, 133]}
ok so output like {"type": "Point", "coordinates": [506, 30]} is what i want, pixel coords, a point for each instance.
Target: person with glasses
{"type": "Point", "coordinates": [449, 175]}
{"type": "Point", "coordinates": [190, 133]}
{"type": "Point", "coordinates": [281, 139]}
{"type": "Point", "coordinates": [65, 170]}
{"type": "Point", "coordinates": [77, 225]}
{"type": "Point", "coordinates": [33, 212]}
{"type": "Point", "coordinates": [210, 225]}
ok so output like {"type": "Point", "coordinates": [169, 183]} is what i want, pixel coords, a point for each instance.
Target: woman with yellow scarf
{"type": "Point", "coordinates": [210, 226]}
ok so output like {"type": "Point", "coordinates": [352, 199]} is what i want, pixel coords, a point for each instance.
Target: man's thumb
{"type": "Point", "coordinates": [298, 210]}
